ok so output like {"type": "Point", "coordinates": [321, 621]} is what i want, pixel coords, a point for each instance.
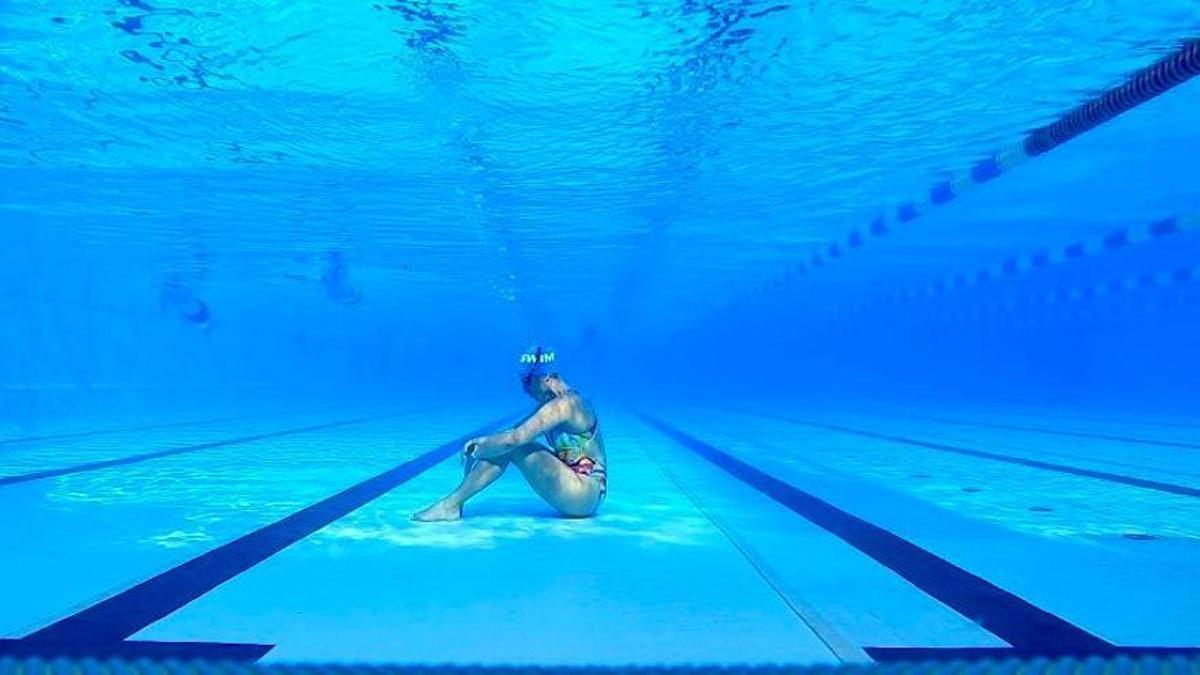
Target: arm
{"type": "Point", "coordinates": [546, 418]}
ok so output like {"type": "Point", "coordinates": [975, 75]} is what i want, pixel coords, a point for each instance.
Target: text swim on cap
{"type": "Point", "coordinates": [537, 357]}
{"type": "Point", "coordinates": [532, 362]}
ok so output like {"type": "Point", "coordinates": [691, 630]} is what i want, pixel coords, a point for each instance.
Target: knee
{"type": "Point", "coordinates": [522, 454]}
{"type": "Point", "coordinates": [494, 463]}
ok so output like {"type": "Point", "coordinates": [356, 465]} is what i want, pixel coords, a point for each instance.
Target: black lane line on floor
{"type": "Point", "coordinates": [105, 624]}
{"type": "Point", "coordinates": [146, 456]}
{"type": "Point", "coordinates": [838, 645]}
{"type": "Point", "coordinates": [101, 432]}
{"type": "Point", "coordinates": [1028, 628]}
{"type": "Point", "coordinates": [894, 654]}
{"type": "Point", "coordinates": [132, 650]}
{"type": "Point", "coordinates": [1133, 481]}
{"type": "Point", "coordinates": [1057, 432]}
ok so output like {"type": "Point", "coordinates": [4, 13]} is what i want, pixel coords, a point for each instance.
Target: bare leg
{"type": "Point", "coordinates": [481, 474]}
{"type": "Point", "coordinates": [573, 495]}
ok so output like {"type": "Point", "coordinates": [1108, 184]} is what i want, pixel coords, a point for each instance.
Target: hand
{"type": "Point", "coordinates": [472, 446]}
{"type": "Point", "coordinates": [467, 456]}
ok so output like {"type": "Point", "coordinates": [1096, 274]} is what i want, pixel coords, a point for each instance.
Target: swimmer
{"type": "Point", "coordinates": [336, 280]}
{"type": "Point", "coordinates": [569, 473]}
{"type": "Point", "coordinates": [179, 299]}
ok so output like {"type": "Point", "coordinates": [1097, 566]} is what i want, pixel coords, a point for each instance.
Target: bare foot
{"type": "Point", "coordinates": [441, 510]}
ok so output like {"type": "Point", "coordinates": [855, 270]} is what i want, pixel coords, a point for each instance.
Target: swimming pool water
{"type": "Point", "coordinates": [882, 378]}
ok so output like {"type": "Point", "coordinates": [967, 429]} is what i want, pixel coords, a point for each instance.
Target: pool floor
{"type": "Point", "coordinates": [729, 536]}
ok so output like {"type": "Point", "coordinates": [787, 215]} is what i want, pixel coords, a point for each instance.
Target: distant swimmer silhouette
{"type": "Point", "coordinates": [178, 299]}
{"type": "Point", "coordinates": [569, 472]}
{"type": "Point", "coordinates": [336, 280]}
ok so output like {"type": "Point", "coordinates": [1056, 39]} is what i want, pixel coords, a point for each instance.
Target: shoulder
{"type": "Point", "coordinates": [559, 407]}
{"type": "Point", "coordinates": [568, 407]}
{"type": "Point", "coordinates": [581, 409]}
{"type": "Point", "coordinates": [577, 403]}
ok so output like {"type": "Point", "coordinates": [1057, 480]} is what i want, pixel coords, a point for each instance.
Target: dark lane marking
{"type": "Point", "coordinates": [133, 650]}
{"type": "Point", "coordinates": [995, 654]}
{"type": "Point", "coordinates": [839, 645]}
{"type": "Point", "coordinates": [1058, 432]}
{"type": "Point", "coordinates": [101, 432]}
{"type": "Point", "coordinates": [1160, 486]}
{"type": "Point", "coordinates": [112, 620]}
{"type": "Point", "coordinates": [1028, 628]}
{"type": "Point", "coordinates": [146, 456]}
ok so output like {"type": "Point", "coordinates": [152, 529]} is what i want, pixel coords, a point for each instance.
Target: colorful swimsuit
{"type": "Point", "coordinates": [573, 449]}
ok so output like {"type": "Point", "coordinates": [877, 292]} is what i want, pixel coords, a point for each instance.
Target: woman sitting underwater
{"type": "Point", "coordinates": [569, 474]}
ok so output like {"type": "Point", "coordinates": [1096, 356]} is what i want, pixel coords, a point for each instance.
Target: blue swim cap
{"type": "Point", "coordinates": [533, 363]}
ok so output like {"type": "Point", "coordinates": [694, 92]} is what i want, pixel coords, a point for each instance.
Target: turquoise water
{"type": "Point", "coordinates": [266, 263]}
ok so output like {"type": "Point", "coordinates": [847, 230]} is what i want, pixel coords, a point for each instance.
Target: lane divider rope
{"type": "Point", "coordinates": [1143, 85]}
{"type": "Point", "coordinates": [1054, 300]}
{"type": "Point", "coordinates": [1028, 263]}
